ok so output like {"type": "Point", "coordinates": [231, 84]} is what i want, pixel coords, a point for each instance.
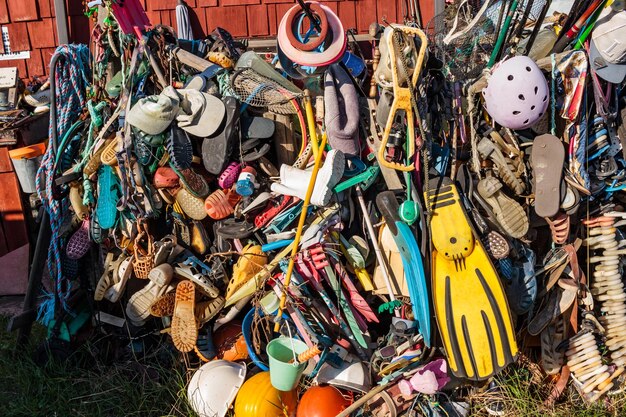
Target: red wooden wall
{"type": "Point", "coordinates": [32, 27]}
{"type": "Point", "coordinates": [258, 18]}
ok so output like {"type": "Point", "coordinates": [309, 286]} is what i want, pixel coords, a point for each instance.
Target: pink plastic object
{"type": "Point", "coordinates": [229, 176]}
{"type": "Point", "coordinates": [131, 17]}
{"type": "Point", "coordinates": [330, 55]}
{"type": "Point", "coordinates": [517, 94]}
{"type": "Point", "coordinates": [79, 243]}
{"type": "Point", "coordinates": [428, 380]}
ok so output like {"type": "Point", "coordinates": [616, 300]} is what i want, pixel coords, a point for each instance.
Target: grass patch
{"type": "Point", "coordinates": [84, 386]}
{"type": "Point", "coordinates": [523, 388]}
{"type": "Point", "coordinates": [88, 385]}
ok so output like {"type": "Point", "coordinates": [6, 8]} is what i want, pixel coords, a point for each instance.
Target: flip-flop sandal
{"type": "Point", "coordinates": [164, 305]}
{"type": "Point", "coordinates": [552, 360]}
{"type": "Point", "coordinates": [165, 177]}
{"type": "Point", "coordinates": [257, 127]}
{"type": "Point", "coordinates": [221, 204]}
{"type": "Point", "coordinates": [138, 307]}
{"type": "Point", "coordinates": [267, 167]}
{"type": "Point", "coordinates": [204, 284]}
{"type": "Point", "coordinates": [395, 267]}
{"type": "Point", "coordinates": [509, 213]}
{"type": "Point", "coordinates": [179, 148]}
{"type": "Point", "coordinates": [79, 244]}
{"type": "Point", "coordinates": [229, 176]}
{"type": "Point", "coordinates": [557, 302]}
{"type": "Point", "coordinates": [184, 327]}
{"type": "Point", "coordinates": [108, 196]}
{"type": "Point", "coordinates": [253, 149]}
{"type": "Point", "coordinates": [191, 206]}
{"type": "Point", "coordinates": [206, 310]}
{"type": "Point", "coordinates": [259, 202]}
{"type": "Point", "coordinates": [233, 229]}
{"type": "Point", "coordinates": [121, 277]}
{"type": "Point", "coordinates": [547, 158]}
{"type": "Point", "coordinates": [217, 149]}
{"type": "Point", "coordinates": [193, 182]}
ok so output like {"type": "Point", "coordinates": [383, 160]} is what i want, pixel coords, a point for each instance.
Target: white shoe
{"type": "Point", "coordinates": [294, 181]}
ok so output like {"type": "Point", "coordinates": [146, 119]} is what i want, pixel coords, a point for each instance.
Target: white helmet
{"type": "Point", "coordinates": [214, 386]}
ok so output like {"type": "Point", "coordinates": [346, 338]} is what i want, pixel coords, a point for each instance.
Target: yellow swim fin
{"type": "Point", "coordinates": [470, 304]}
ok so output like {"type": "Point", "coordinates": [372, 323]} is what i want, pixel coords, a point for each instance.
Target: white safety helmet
{"type": "Point", "coordinates": [214, 386]}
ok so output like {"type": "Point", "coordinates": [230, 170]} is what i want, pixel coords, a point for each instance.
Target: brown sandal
{"type": "Point", "coordinates": [559, 226]}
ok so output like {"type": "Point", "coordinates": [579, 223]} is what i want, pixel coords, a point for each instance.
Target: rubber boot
{"type": "Point", "coordinates": [294, 181]}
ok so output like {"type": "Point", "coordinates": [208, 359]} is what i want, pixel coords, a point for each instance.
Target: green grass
{"type": "Point", "coordinates": [155, 386]}
{"type": "Point", "coordinates": [523, 389]}
{"type": "Point", "coordinates": [84, 386]}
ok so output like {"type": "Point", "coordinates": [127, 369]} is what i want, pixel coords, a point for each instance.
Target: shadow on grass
{"type": "Point", "coordinates": [83, 386]}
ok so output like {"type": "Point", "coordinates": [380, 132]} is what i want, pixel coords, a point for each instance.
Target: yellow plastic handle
{"type": "Point", "coordinates": [402, 100]}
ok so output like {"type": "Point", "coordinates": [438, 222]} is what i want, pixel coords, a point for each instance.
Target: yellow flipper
{"type": "Point", "coordinates": [470, 304]}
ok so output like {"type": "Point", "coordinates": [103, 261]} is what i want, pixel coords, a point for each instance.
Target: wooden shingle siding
{"type": "Point", "coordinates": [23, 10]}
{"type": "Point", "coordinates": [32, 27]}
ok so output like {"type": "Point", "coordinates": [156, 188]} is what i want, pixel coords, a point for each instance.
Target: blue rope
{"type": "Point", "coordinates": [72, 76]}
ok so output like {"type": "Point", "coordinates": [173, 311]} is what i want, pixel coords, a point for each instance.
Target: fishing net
{"type": "Point", "coordinates": [259, 91]}
{"type": "Point", "coordinates": [464, 35]}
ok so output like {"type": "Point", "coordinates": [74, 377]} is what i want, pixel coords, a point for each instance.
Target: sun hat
{"type": "Point", "coordinates": [607, 52]}
{"type": "Point", "coordinates": [153, 114]}
{"type": "Point", "coordinates": [201, 114]}
{"type": "Point", "coordinates": [163, 107]}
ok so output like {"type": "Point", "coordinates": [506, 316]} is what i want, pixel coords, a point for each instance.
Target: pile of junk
{"type": "Point", "coordinates": [347, 224]}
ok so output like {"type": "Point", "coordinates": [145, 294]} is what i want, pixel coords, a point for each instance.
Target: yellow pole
{"type": "Point", "coordinates": [317, 152]}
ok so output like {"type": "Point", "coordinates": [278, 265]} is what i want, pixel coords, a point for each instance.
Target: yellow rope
{"type": "Point", "coordinates": [317, 151]}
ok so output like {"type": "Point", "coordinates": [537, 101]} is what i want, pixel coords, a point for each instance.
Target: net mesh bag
{"type": "Point", "coordinates": [464, 35]}
{"type": "Point", "coordinates": [259, 91]}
